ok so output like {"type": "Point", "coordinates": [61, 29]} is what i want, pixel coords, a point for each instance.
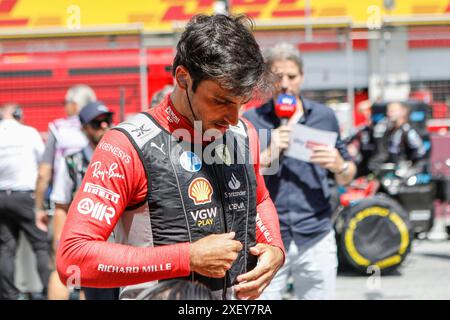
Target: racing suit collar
{"type": "Point", "coordinates": [171, 119]}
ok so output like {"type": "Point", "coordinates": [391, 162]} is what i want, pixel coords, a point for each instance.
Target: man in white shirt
{"type": "Point", "coordinates": [65, 137]}
{"type": "Point", "coordinates": [21, 148]}
{"type": "Point", "coordinates": [96, 120]}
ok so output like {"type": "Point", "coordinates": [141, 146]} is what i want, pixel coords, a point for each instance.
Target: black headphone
{"type": "Point", "coordinates": [184, 82]}
{"type": "Point", "coordinates": [18, 114]}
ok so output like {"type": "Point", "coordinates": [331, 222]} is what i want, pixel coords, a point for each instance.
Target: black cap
{"type": "Point", "coordinates": [92, 110]}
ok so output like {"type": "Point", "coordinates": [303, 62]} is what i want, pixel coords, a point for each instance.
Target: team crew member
{"type": "Point", "coordinates": [21, 148]}
{"type": "Point", "coordinates": [362, 145]}
{"type": "Point", "coordinates": [159, 95]}
{"type": "Point", "coordinates": [177, 214]}
{"type": "Point", "coordinates": [300, 189]}
{"type": "Point", "coordinates": [396, 139]}
{"type": "Point", "coordinates": [65, 137]}
{"type": "Point", "coordinates": [96, 120]}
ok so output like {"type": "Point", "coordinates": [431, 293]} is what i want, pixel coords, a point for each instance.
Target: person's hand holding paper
{"type": "Point", "coordinates": [327, 157]}
{"type": "Point", "coordinates": [316, 146]}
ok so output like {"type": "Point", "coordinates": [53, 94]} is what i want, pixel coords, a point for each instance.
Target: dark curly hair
{"type": "Point", "coordinates": [222, 48]}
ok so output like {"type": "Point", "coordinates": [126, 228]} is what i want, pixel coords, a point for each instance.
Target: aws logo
{"type": "Point", "coordinates": [200, 191]}
{"type": "Point", "coordinates": [204, 217]}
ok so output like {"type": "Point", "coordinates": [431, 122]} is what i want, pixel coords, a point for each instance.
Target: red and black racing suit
{"type": "Point", "coordinates": [114, 189]}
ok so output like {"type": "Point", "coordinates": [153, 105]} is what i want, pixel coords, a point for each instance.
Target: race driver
{"type": "Point", "coordinates": [180, 184]}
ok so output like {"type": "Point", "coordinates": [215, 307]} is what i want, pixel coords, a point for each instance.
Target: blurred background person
{"type": "Point", "coordinates": [65, 137]}
{"type": "Point", "coordinates": [396, 140]}
{"type": "Point", "coordinates": [21, 149]}
{"type": "Point", "coordinates": [361, 145]}
{"type": "Point", "coordinates": [404, 142]}
{"type": "Point", "coordinates": [96, 120]}
{"type": "Point", "coordinates": [300, 189]}
{"type": "Point", "coordinates": [159, 95]}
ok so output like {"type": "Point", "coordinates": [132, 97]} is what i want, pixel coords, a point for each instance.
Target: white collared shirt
{"type": "Point", "coordinates": [21, 148]}
{"type": "Point", "coordinates": [63, 184]}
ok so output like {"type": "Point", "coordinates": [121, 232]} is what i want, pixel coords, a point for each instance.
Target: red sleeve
{"type": "Point", "coordinates": [118, 173]}
{"type": "Point", "coordinates": [267, 223]}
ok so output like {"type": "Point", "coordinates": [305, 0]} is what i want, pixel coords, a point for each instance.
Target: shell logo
{"type": "Point", "coordinates": [200, 191]}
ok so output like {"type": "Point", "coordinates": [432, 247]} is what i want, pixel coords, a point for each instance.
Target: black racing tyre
{"type": "Point", "coordinates": [375, 231]}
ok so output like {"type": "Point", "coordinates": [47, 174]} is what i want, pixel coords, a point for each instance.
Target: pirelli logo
{"type": "Point", "coordinates": [101, 192]}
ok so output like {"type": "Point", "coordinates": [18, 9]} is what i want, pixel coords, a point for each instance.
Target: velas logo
{"type": "Point", "coordinates": [200, 191]}
{"type": "Point", "coordinates": [234, 183]}
{"type": "Point", "coordinates": [224, 154]}
{"type": "Point", "coordinates": [237, 206]}
{"type": "Point", "coordinates": [190, 161]}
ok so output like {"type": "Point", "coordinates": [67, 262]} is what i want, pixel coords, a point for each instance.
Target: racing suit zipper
{"type": "Point", "coordinates": [223, 220]}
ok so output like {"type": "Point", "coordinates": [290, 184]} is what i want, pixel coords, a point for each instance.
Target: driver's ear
{"type": "Point", "coordinates": [183, 82]}
{"type": "Point", "coordinates": [181, 77]}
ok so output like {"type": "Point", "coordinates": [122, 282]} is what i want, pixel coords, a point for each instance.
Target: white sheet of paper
{"type": "Point", "coordinates": [304, 138]}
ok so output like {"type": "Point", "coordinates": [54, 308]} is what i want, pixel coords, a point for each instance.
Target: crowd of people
{"type": "Point", "coordinates": [172, 203]}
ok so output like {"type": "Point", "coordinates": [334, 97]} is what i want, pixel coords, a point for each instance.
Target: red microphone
{"type": "Point", "coordinates": [285, 107]}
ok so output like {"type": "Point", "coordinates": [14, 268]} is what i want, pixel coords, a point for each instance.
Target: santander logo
{"type": "Point", "coordinates": [234, 183]}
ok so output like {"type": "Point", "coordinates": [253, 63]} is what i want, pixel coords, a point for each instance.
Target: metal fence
{"type": "Point", "coordinates": [37, 71]}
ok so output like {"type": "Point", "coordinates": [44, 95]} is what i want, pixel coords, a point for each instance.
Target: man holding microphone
{"type": "Point", "coordinates": [299, 188]}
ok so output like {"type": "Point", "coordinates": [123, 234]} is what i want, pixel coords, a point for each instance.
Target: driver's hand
{"type": "Point", "coordinates": [253, 283]}
{"type": "Point", "coordinates": [213, 256]}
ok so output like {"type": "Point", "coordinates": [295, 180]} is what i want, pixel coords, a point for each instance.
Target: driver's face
{"type": "Point", "coordinates": [215, 107]}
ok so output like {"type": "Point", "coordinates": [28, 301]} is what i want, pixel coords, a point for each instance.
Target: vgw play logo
{"type": "Point", "coordinates": [204, 217]}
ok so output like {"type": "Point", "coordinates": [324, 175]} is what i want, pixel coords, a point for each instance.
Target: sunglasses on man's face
{"type": "Point", "coordinates": [97, 122]}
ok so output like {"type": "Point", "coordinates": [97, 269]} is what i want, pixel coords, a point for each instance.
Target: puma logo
{"type": "Point", "coordinates": [152, 144]}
